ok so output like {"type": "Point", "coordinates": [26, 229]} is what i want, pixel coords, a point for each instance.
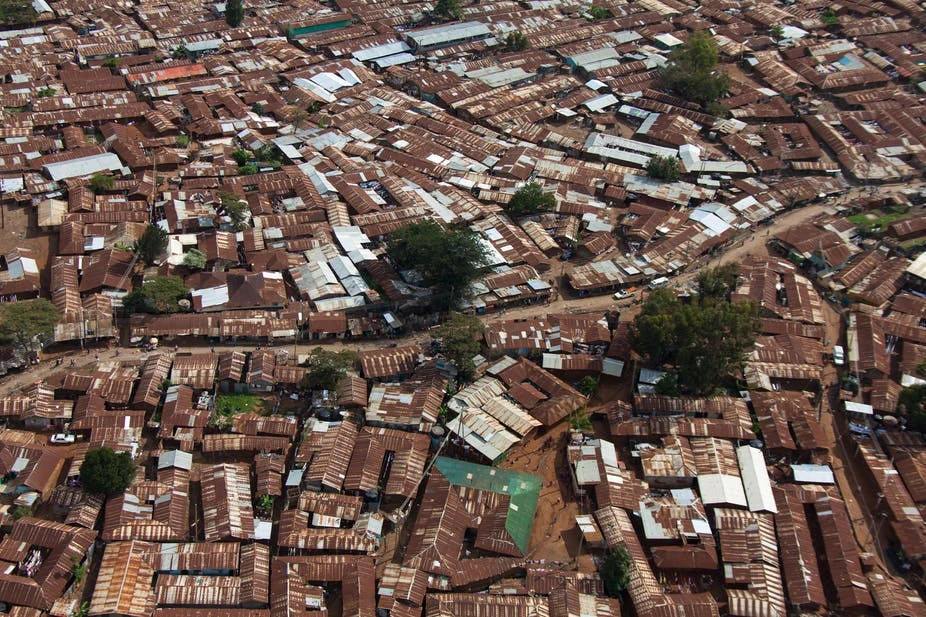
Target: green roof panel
{"type": "Point", "coordinates": [523, 490]}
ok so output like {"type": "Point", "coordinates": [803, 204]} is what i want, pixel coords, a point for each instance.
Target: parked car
{"type": "Point", "coordinates": [63, 438]}
{"type": "Point", "coordinates": [620, 294]}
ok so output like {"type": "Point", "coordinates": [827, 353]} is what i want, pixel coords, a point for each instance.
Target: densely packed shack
{"type": "Point", "coordinates": [193, 193]}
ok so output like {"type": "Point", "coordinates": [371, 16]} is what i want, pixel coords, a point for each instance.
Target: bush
{"type": "Point", "coordinates": [615, 571]}
{"type": "Point", "coordinates": [448, 9]}
{"type": "Point", "coordinates": [104, 471]}
{"type": "Point", "coordinates": [100, 183]}
{"type": "Point", "coordinates": [183, 141]}
{"type": "Point", "coordinates": [663, 168]}
{"type": "Point", "coordinates": [517, 41]}
{"type": "Point", "coordinates": [241, 156]}
{"type": "Point", "coordinates": [531, 199]}
{"type": "Point", "coordinates": [194, 260]}
{"type": "Point", "coordinates": [599, 12]}
{"type": "Point", "coordinates": [160, 294]}
{"type": "Point", "coordinates": [248, 170]}
{"type": "Point", "coordinates": [587, 385]}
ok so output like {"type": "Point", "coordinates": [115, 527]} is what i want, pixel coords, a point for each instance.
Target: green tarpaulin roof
{"type": "Point", "coordinates": [523, 490]}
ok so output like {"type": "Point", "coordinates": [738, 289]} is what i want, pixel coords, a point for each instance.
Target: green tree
{"type": "Point", "coordinates": [241, 156]}
{"type": "Point", "coordinates": [299, 116]}
{"type": "Point", "coordinates": [599, 12]}
{"type": "Point", "coordinates": [663, 168]}
{"type": "Point", "coordinates": [517, 41]}
{"type": "Point", "coordinates": [100, 183]}
{"type": "Point", "coordinates": [104, 471]}
{"type": "Point", "coordinates": [912, 404]}
{"type": "Point", "coordinates": [447, 260]}
{"type": "Point", "coordinates": [718, 282]}
{"type": "Point", "coordinates": [152, 244]}
{"type": "Point", "coordinates": [449, 9]}
{"type": "Point", "coordinates": [248, 170]}
{"type": "Point", "coordinates": [716, 108]}
{"type": "Point", "coordinates": [78, 570]}
{"type": "Point", "coordinates": [829, 18]}
{"type": "Point", "coordinates": [82, 610]}
{"type": "Point", "coordinates": [46, 92]}
{"type": "Point", "coordinates": [460, 338]}
{"type": "Point", "coordinates": [181, 52]}
{"type": "Point", "coordinates": [17, 12]}
{"type": "Point", "coordinates": [777, 32]}
{"type": "Point", "coordinates": [690, 72]}
{"type": "Point", "coordinates": [159, 294]}
{"type": "Point", "coordinates": [580, 421]}
{"type": "Point", "coordinates": [667, 386]}
{"type": "Point", "coordinates": [704, 340]}
{"type": "Point", "coordinates": [21, 512]}
{"type": "Point", "coordinates": [183, 141]}
{"type": "Point", "coordinates": [587, 385]}
{"type": "Point", "coordinates": [615, 571]}
{"type": "Point", "coordinates": [530, 199]}
{"type": "Point", "coordinates": [327, 368]}
{"type": "Point", "coordinates": [236, 209]}
{"type": "Point", "coordinates": [112, 63]}
{"type": "Point", "coordinates": [195, 260]}
{"type": "Point", "coordinates": [234, 13]}
{"type": "Point", "coordinates": [258, 108]}
{"type": "Point", "coordinates": [265, 504]}
{"type": "Point", "coordinates": [27, 323]}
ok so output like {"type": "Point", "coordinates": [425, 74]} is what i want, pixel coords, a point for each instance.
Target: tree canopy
{"type": "Point", "coordinates": [234, 13]}
{"type": "Point", "coordinates": [241, 156]}
{"type": "Point", "coordinates": [777, 32]}
{"type": "Point", "coordinates": [691, 70]}
{"type": "Point", "coordinates": [102, 182]}
{"type": "Point", "coordinates": [912, 404]}
{"type": "Point", "coordinates": [26, 322]}
{"type": "Point", "coordinates": [517, 41]}
{"type": "Point", "coordinates": [195, 260]}
{"type": "Point", "coordinates": [327, 368]}
{"type": "Point", "coordinates": [449, 9]}
{"type": "Point", "coordinates": [159, 294]}
{"type": "Point", "coordinates": [663, 168]}
{"type": "Point", "coordinates": [599, 12]}
{"type": "Point", "coordinates": [448, 260]}
{"type": "Point", "coordinates": [104, 471]}
{"type": "Point", "coordinates": [236, 209]}
{"type": "Point", "coordinates": [615, 571]}
{"type": "Point", "coordinates": [529, 199]}
{"type": "Point", "coordinates": [460, 339]}
{"type": "Point", "coordinates": [17, 12]}
{"type": "Point", "coordinates": [152, 244]}
{"type": "Point", "coordinates": [704, 340]}
{"type": "Point", "coordinates": [718, 282]}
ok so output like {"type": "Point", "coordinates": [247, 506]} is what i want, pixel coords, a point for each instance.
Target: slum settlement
{"type": "Point", "coordinates": [466, 207]}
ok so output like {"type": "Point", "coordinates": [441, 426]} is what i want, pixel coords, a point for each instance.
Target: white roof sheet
{"type": "Point", "coordinates": [718, 488]}
{"type": "Point", "coordinates": [380, 51]}
{"type": "Point", "coordinates": [755, 480]}
{"type": "Point", "coordinates": [813, 474]}
{"type": "Point", "coordinates": [83, 166]}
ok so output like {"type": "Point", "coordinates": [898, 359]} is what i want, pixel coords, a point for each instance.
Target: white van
{"type": "Point", "coordinates": [657, 283]}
